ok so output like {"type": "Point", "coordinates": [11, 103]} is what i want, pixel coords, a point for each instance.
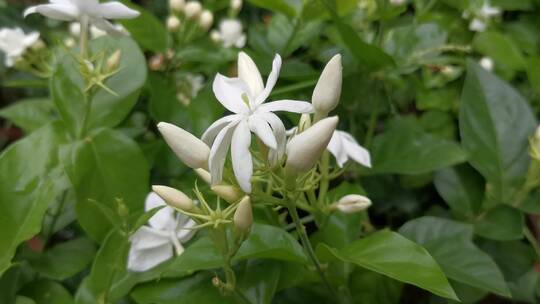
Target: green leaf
{"type": "Point", "coordinates": [30, 114]}
{"type": "Point", "coordinates": [406, 149]}
{"type": "Point", "coordinates": [533, 73]}
{"type": "Point", "coordinates": [108, 110]}
{"type": "Point", "coordinates": [27, 187]}
{"type": "Point", "coordinates": [501, 48]}
{"type": "Point", "coordinates": [495, 122]}
{"type": "Point", "coordinates": [502, 223]}
{"type": "Point", "coordinates": [370, 287]}
{"type": "Point", "coordinates": [280, 6]}
{"type": "Point", "coordinates": [24, 300]}
{"type": "Point", "coordinates": [462, 188]}
{"type": "Point", "coordinates": [259, 280]}
{"type": "Point", "coordinates": [450, 244]}
{"type": "Point", "coordinates": [47, 292]}
{"type": "Point", "coordinates": [391, 254]}
{"type": "Point", "coordinates": [106, 167]}
{"type": "Point", "coordinates": [146, 29]}
{"type": "Point", "coordinates": [65, 259]}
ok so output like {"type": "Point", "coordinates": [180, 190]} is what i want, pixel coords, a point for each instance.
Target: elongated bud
{"type": "Point", "coordinates": [206, 19]}
{"type": "Point", "coordinates": [328, 89]}
{"type": "Point", "coordinates": [113, 62]}
{"type": "Point", "coordinates": [188, 148]}
{"type": "Point", "coordinates": [174, 198]}
{"type": "Point", "coordinates": [243, 217]}
{"type": "Point", "coordinates": [304, 123]}
{"type": "Point", "coordinates": [229, 193]}
{"type": "Point", "coordinates": [173, 24]}
{"type": "Point", "coordinates": [352, 203]}
{"type": "Point", "coordinates": [204, 175]}
{"type": "Point", "coordinates": [192, 9]}
{"type": "Point", "coordinates": [236, 5]}
{"type": "Point", "coordinates": [177, 5]}
{"type": "Point", "coordinates": [306, 148]}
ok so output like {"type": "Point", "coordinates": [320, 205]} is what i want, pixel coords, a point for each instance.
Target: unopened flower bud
{"type": "Point", "coordinates": [192, 9]}
{"type": "Point", "coordinates": [173, 24]}
{"type": "Point", "coordinates": [215, 36]}
{"type": "Point", "coordinates": [70, 42]}
{"type": "Point", "coordinates": [353, 203]}
{"type": "Point", "coordinates": [304, 123]}
{"type": "Point", "coordinates": [206, 19]}
{"type": "Point", "coordinates": [156, 62]}
{"type": "Point", "coordinates": [121, 208]}
{"type": "Point", "coordinates": [236, 5]}
{"type": "Point", "coordinates": [243, 217]}
{"type": "Point", "coordinates": [38, 45]}
{"type": "Point", "coordinates": [304, 149]}
{"type": "Point", "coordinates": [113, 62]}
{"type": "Point", "coordinates": [229, 193]}
{"type": "Point", "coordinates": [487, 63]}
{"type": "Point", "coordinates": [328, 89]}
{"type": "Point", "coordinates": [174, 198]}
{"type": "Point", "coordinates": [204, 175]}
{"type": "Point", "coordinates": [75, 29]}
{"type": "Point", "coordinates": [176, 5]}
{"type": "Point", "coordinates": [188, 148]}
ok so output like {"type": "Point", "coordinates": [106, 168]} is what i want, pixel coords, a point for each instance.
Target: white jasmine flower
{"type": "Point", "coordinates": [230, 33]}
{"type": "Point", "coordinates": [344, 147]}
{"type": "Point", "coordinates": [92, 11]}
{"type": "Point", "coordinates": [353, 203]}
{"type": "Point", "coordinates": [166, 231]}
{"type": "Point", "coordinates": [245, 97]}
{"type": "Point", "coordinates": [481, 16]}
{"type": "Point", "coordinates": [487, 63]}
{"type": "Point", "coordinates": [14, 42]}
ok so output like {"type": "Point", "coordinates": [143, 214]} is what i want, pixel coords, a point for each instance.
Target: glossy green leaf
{"type": "Point", "coordinates": [106, 167]}
{"type": "Point", "coordinates": [501, 48]}
{"type": "Point", "coordinates": [30, 114]}
{"type": "Point", "coordinates": [286, 7]}
{"type": "Point", "coordinates": [24, 300]}
{"type": "Point", "coordinates": [391, 254]}
{"type": "Point", "coordinates": [47, 292]}
{"type": "Point", "coordinates": [370, 287]}
{"type": "Point", "coordinates": [501, 223]}
{"type": "Point", "coordinates": [65, 259]}
{"type": "Point", "coordinates": [146, 29]}
{"type": "Point", "coordinates": [495, 122]}
{"type": "Point", "coordinates": [259, 280]}
{"type": "Point", "coordinates": [462, 189]}
{"type": "Point", "coordinates": [406, 149]}
{"type": "Point", "coordinates": [27, 187]}
{"type": "Point", "coordinates": [450, 244]}
{"type": "Point", "coordinates": [533, 73]}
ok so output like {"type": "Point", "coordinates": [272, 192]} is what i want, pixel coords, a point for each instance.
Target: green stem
{"type": "Point", "coordinates": [325, 163]}
{"type": "Point", "coordinates": [86, 117]}
{"type": "Point", "coordinates": [83, 42]}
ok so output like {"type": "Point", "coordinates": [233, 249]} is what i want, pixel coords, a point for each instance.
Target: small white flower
{"type": "Point", "coordinates": [230, 33]}
{"type": "Point", "coordinates": [353, 203]}
{"type": "Point", "coordinates": [477, 25]}
{"type": "Point", "coordinates": [14, 42]}
{"type": "Point", "coordinates": [487, 63]}
{"type": "Point", "coordinates": [94, 12]}
{"type": "Point", "coordinates": [196, 83]}
{"type": "Point", "coordinates": [344, 147]}
{"type": "Point", "coordinates": [154, 244]}
{"type": "Point", "coordinates": [488, 11]}
{"type": "Point", "coordinates": [245, 97]}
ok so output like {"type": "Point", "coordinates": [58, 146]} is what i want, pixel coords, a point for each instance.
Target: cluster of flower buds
{"type": "Point", "coordinates": [230, 32]}
{"type": "Point", "coordinates": [187, 17]}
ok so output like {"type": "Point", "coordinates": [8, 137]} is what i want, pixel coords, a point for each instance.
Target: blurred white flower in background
{"type": "Point", "coordinates": [75, 30]}
{"type": "Point", "coordinates": [481, 16]}
{"type": "Point", "coordinates": [487, 63]}
{"type": "Point", "coordinates": [230, 33]}
{"type": "Point", "coordinates": [344, 147]}
{"type": "Point", "coordinates": [245, 97]}
{"type": "Point", "coordinates": [14, 42]}
{"type": "Point", "coordinates": [90, 11]}
{"type": "Point", "coordinates": [154, 244]}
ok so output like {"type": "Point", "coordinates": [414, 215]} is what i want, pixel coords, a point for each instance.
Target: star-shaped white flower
{"type": "Point", "coordinates": [154, 244]}
{"type": "Point", "coordinates": [14, 42]}
{"type": "Point", "coordinates": [245, 97]}
{"type": "Point", "coordinates": [344, 147]}
{"type": "Point", "coordinates": [230, 33]}
{"type": "Point", "coordinates": [94, 12]}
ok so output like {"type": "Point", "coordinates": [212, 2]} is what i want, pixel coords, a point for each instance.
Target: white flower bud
{"type": "Point", "coordinates": [304, 149]}
{"type": "Point", "coordinates": [174, 198]}
{"type": "Point", "coordinates": [192, 9]}
{"type": "Point", "coordinates": [243, 217]}
{"type": "Point", "coordinates": [176, 5]}
{"type": "Point", "coordinates": [328, 89]}
{"type": "Point", "coordinates": [75, 29]}
{"type": "Point", "coordinates": [204, 175]}
{"type": "Point", "coordinates": [188, 148]}
{"type": "Point", "coordinates": [353, 203]}
{"type": "Point", "coordinates": [215, 36]}
{"type": "Point", "coordinates": [229, 193]}
{"type": "Point", "coordinates": [487, 63]}
{"type": "Point", "coordinates": [114, 60]}
{"type": "Point", "coordinates": [173, 24]}
{"type": "Point", "coordinates": [70, 42]}
{"type": "Point", "coordinates": [304, 123]}
{"type": "Point", "coordinates": [206, 19]}
{"type": "Point", "coordinates": [236, 5]}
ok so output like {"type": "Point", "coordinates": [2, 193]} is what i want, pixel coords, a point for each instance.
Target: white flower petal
{"type": "Point", "coordinates": [229, 93]}
{"type": "Point", "coordinates": [143, 260]}
{"type": "Point", "coordinates": [104, 25]}
{"type": "Point", "coordinates": [212, 131]}
{"type": "Point", "coordinates": [293, 106]}
{"type": "Point", "coordinates": [336, 148]}
{"type": "Point", "coordinates": [163, 219]}
{"type": "Point", "coordinates": [271, 81]}
{"type": "Point", "coordinates": [279, 133]}
{"type": "Point", "coordinates": [184, 232]}
{"type": "Point", "coordinates": [356, 152]}
{"type": "Point", "coordinates": [249, 74]}
{"type": "Point", "coordinates": [117, 10]}
{"type": "Point", "coordinates": [30, 39]}
{"type": "Point", "coordinates": [260, 127]}
{"type": "Point", "coordinates": [218, 152]}
{"type": "Point", "coordinates": [60, 11]}
{"type": "Point", "coordinates": [241, 157]}
{"type": "Point", "coordinates": [146, 237]}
